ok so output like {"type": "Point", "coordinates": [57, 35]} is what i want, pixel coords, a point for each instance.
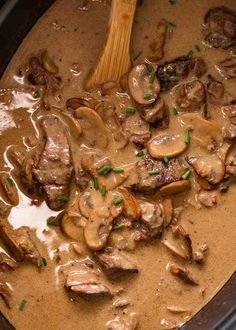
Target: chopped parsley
{"type": "Point", "coordinates": [171, 24]}
{"type": "Point", "coordinates": [165, 160]}
{"type": "Point", "coordinates": [198, 48]}
{"type": "Point", "coordinates": [103, 190]}
{"type": "Point", "coordinates": [186, 174]}
{"type": "Point", "coordinates": [95, 183]}
{"type": "Point", "coordinates": [152, 78]}
{"type": "Point", "coordinates": [105, 170]}
{"type": "Point", "coordinates": [187, 137]}
{"type": "Point", "coordinates": [139, 153]}
{"type": "Point", "coordinates": [53, 221]}
{"type": "Point", "coordinates": [118, 169]}
{"type": "Point", "coordinates": [153, 172]}
{"type": "Point", "coordinates": [207, 36]}
{"type": "Point", "coordinates": [44, 262]}
{"type": "Point", "coordinates": [130, 110]}
{"type": "Point", "coordinates": [10, 181]}
{"type": "Point", "coordinates": [172, 2]}
{"type": "Point", "coordinates": [175, 111]}
{"type": "Point", "coordinates": [118, 200]}
{"type": "Point", "coordinates": [147, 96]}
{"type": "Point", "coordinates": [190, 53]}
{"type": "Point", "coordinates": [22, 305]}
{"type": "Point", "coordinates": [149, 67]}
{"type": "Point", "coordinates": [118, 227]}
{"type": "Point", "coordinates": [63, 198]}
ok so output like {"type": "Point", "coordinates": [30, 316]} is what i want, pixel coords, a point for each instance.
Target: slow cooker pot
{"type": "Point", "coordinates": [17, 17]}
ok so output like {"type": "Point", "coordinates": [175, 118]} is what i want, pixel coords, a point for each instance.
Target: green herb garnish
{"type": "Point", "coordinates": [10, 181]}
{"type": "Point", "coordinates": [118, 227]}
{"type": "Point", "coordinates": [63, 198]}
{"type": "Point", "coordinates": [175, 111]}
{"type": "Point", "coordinates": [95, 183]}
{"type": "Point", "coordinates": [186, 174]}
{"type": "Point", "coordinates": [165, 160]}
{"type": "Point", "coordinates": [22, 305]}
{"type": "Point", "coordinates": [44, 262]}
{"type": "Point", "coordinates": [198, 48]}
{"type": "Point", "coordinates": [187, 137]}
{"type": "Point", "coordinates": [171, 24]}
{"type": "Point", "coordinates": [207, 36]}
{"type": "Point", "coordinates": [190, 53]}
{"type": "Point", "coordinates": [103, 190]}
{"type": "Point", "coordinates": [147, 96]}
{"type": "Point", "coordinates": [152, 78]}
{"type": "Point", "coordinates": [118, 200]}
{"type": "Point", "coordinates": [44, 138]}
{"type": "Point", "coordinates": [153, 172]}
{"type": "Point", "coordinates": [139, 153]}
{"type": "Point", "coordinates": [172, 2]}
{"type": "Point", "coordinates": [105, 170]}
{"type": "Point", "coordinates": [130, 110]}
{"type": "Point", "coordinates": [118, 169]}
{"type": "Point", "coordinates": [149, 67]}
{"type": "Point", "coordinates": [53, 221]}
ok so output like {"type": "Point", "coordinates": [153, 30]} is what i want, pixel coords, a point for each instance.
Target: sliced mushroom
{"type": "Point", "coordinates": [72, 225]}
{"type": "Point", "coordinates": [132, 208]}
{"type": "Point", "coordinates": [91, 200]}
{"type": "Point", "coordinates": [168, 211]}
{"type": "Point", "coordinates": [183, 274]}
{"type": "Point", "coordinates": [93, 128]}
{"type": "Point", "coordinates": [209, 167]}
{"type": "Point", "coordinates": [120, 139]}
{"type": "Point", "coordinates": [9, 188]}
{"type": "Point", "coordinates": [179, 242]}
{"type": "Point", "coordinates": [140, 86]}
{"type": "Point", "coordinates": [98, 228]}
{"type": "Point", "coordinates": [167, 146]}
{"type": "Point", "coordinates": [177, 309]}
{"type": "Point", "coordinates": [157, 114]}
{"type": "Point", "coordinates": [175, 187]}
{"type": "Point", "coordinates": [48, 63]}
{"type": "Point", "coordinates": [206, 133]}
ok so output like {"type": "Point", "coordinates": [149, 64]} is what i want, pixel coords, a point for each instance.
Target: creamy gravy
{"type": "Point", "coordinates": [74, 38]}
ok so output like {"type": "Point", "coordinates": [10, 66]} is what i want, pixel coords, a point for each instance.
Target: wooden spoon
{"type": "Point", "coordinates": [115, 58]}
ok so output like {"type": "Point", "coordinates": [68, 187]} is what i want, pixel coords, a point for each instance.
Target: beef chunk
{"type": "Point", "coordinates": [157, 115]}
{"type": "Point", "coordinates": [54, 169]}
{"type": "Point", "coordinates": [5, 293]}
{"type": "Point", "coordinates": [20, 243]}
{"type": "Point", "coordinates": [85, 282]}
{"type": "Point", "coordinates": [216, 93]}
{"type": "Point", "coordinates": [198, 66]}
{"type": "Point", "coordinates": [116, 263]}
{"type": "Point", "coordinates": [126, 322]}
{"type": "Point", "coordinates": [190, 96]}
{"type": "Point", "coordinates": [137, 130]}
{"type": "Point", "coordinates": [220, 29]}
{"type": "Point", "coordinates": [230, 129]}
{"type": "Point", "coordinates": [151, 224]}
{"type": "Point", "coordinates": [207, 198]}
{"type": "Point", "coordinates": [171, 73]}
{"type": "Point", "coordinates": [148, 182]}
{"type": "Point", "coordinates": [227, 67]}
{"type": "Point", "coordinates": [7, 263]}
{"type": "Point", "coordinates": [38, 75]}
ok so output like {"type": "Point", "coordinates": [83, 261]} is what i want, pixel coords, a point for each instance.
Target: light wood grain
{"type": "Point", "coordinates": [114, 60]}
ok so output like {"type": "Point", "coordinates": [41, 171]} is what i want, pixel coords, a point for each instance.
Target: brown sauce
{"type": "Point", "coordinates": [73, 36]}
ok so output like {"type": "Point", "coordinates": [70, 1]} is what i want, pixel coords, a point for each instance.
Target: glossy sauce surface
{"type": "Point", "coordinates": [74, 37]}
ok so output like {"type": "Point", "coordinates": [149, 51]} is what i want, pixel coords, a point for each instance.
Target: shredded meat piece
{"type": "Point", "coordinates": [171, 73]}
{"type": "Point", "coordinates": [151, 224]}
{"type": "Point", "coordinates": [207, 198]}
{"type": "Point", "coordinates": [83, 281]}
{"type": "Point", "coordinates": [20, 243]}
{"type": "Point", "coordinates": [227, 67]}
{"type": "Point", "coordinates": [126, 322]}
{"type": "Point", "coordinates": [7, 263]}
{"type": "Point", "coordinates": [190, 96]}
{"type": "Point", "coordinates": [54, 170]}
{"type": "Point", "coordinates": [6, 293]}
{"type": "Point", "coordinates": [150, 183]}
{"type": "Point", "coordinates": [115, 263]}
{"type": "Point", "coordinates": [183, 274]}
{"type": "Point", "coordinates": [198, 66]}
{"type": "Point", "coordinates": [158, 115]}
{"type": "Point", "coordinates": [230, 129]}
{"type": "Point", "coordinates": [220, 29]}
{"type": "Point", "coordinates": [200, 254]}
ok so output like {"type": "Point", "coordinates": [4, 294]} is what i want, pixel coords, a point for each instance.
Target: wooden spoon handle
{"type": "Point", "coordinates": [115, 58]}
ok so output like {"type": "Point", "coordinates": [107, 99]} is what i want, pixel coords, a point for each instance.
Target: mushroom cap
{"type": "Point", "coordinates": [139, 85]}
{"type": "Point", "coordinates": [167, 145]}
